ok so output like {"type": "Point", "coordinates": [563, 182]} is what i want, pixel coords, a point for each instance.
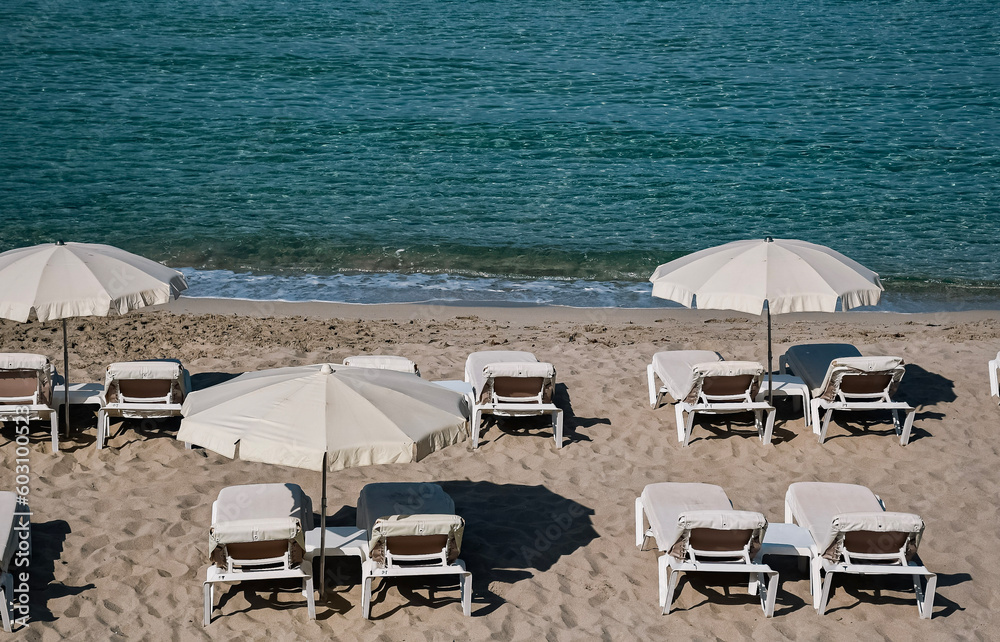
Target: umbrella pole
{"type": "Point", "coordinates": [65, 380]}
{"type": "Point", "coordinates": [322, 537]}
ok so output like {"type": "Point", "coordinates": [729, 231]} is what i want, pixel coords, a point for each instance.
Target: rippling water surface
{"type": "Point", "coordinates": [504, 151]}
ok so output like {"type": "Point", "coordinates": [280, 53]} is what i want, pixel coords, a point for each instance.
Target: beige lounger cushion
{"type": "Point", "coordinates": [823, 366]}
{"type": "Point", "coordinates": [483, 367]}
{"type": "Point", "coordinates": [676, 369]}
{"type": "Point", "coordinates": [811, 362]}
{"type": "Point", "coordinates": [827, 509]}
{"type": "Point", "coordinates": [151, 370]}
{"type": "Point", "coordinates": [664, 503]}
{"type": "Point", "coordinates": [12, 362]}
{"type": "Point", "coordinates": [264, 507]}
{"type": "Point", "coordinates": [23, 361]}
{"type": "Point", "coordinates": [406, 509]}
{"type": "Point", "coordinates": [382, 362]}
{"type": "Point", "coordinates": [8, 535]}
{"type": "Point", "coordinates": [683, 372]}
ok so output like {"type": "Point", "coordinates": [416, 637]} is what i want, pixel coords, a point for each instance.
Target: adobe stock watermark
{"type": "Point", "coordinates": [21, 561]}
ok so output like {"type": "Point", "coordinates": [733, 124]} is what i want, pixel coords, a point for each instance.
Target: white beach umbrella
{"type": "Point", "coordinates": [63, 280]}
{"type": "Point", "coordinates": [325, 417]}
{"type": "Point", "coordinates": [776, 275]}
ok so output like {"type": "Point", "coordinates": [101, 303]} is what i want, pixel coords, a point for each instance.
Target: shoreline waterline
{"type": "Point", "coordinates": [502, 291]}
{"type": "Point", "coordinates": [538, 314]}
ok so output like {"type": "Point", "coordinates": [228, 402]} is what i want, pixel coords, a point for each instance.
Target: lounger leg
{"type": "Point", "coordinates": [904, 438]}
{"type": "Point", "coordinates": [467, 594]}
{"type": "Point", "coordinates": [5, 592]}
{"type": "Point", "coordinates": [769, 430]}
{"type": "Point", "coordinates": [827, 585]}
{"type": "Point", "coordinates": [826, 424]}
{"type": "Point", "coordinates": [925, 597]}
{"type": "Point", "coordinates": [688, 427]}
{"type": "Point", "coordinates": [101, 428]}
{"type": "Point", "coordinates": [477, 417]}
{"type": "Point", "coordinates": [651, 376]}
{"type": "Point", "coordinates": [668, 583]}
{"type": "Point", "coordinates": [209, 600]}
{"type": "Point", "coordinates": [994, 384]}
{"type": "Point", "coordinates": [765, 437]}
{"type": "Point", "coordinates": [307, 585]}
{"type": "Point", "coordinates": [815, 580]}
{"type": "Point", "coordinates": [54, 429]}
{"type": "Point", "coordinates": [767, 601]}
{"type": "Point", "coordinates": [679, 412]}
{"type": "Point", "coordinates": [640, 532]}
{"type": "Point", "coordinates": [814, 414]}
{"type": "Point", "coordinates": [366, 597]}
{"type": "Point", "coordinates": [788, 512]}
{"type": "Point", "coordinates": [557, 427]}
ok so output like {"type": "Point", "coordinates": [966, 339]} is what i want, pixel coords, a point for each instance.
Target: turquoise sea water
{"type": "Point", "coordinates": [505, 151]}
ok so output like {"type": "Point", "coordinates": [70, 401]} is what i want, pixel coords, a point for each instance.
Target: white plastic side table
{"type": "Point", "coordinates": [787, 385]}
{"type": "Point", "coordinates": [786, 539]}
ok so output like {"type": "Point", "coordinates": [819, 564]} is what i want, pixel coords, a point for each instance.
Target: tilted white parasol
{"type": "Point", "coordinates": [325, 417]}
{"type": "Point", "coordinates": [63, 280]}
{"type": "Point", "coordinates": [777, 275]}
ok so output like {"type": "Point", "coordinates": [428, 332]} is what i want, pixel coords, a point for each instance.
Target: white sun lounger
{"type": "Point", "coordinates": [26, 390]}
{"type": "Point", "coordinates": [994, 372]}
{"type": "Point", "coordinates": [853, 533]}
{"type": "Point", "coordinates": [839, 378]}
{"type": "Point", "coordinates": [258, 534]}
{"type": "Point", "coordinates": [383, 362]}
{"type": "Point", "coordinates": [14, 530]}
{"type": "Point", "coordinates": [510, 384]}
{"type": "Point", "coordinates": [412, 531]}
{"type": "Point", "coordinates": [701, 381]}
{"type": "Point", "coordinates": [697, 529]}
{"type": "Point", "coordinates": [141, 390]}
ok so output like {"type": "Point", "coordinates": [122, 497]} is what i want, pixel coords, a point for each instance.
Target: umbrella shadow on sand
{"type": "Point", "coordinates": [541, 426]}
{"type": "Point", "coordinates": [47, 540]}
{"type": "Point", "coordinates": [512, 531]}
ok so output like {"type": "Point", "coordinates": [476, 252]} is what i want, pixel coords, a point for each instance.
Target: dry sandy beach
{"type": "Point", "coordinates": [120, 536]}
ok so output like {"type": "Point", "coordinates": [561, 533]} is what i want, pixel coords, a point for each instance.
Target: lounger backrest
{"type": "Point", "coordinates": [256, 539]}
{"type": "Point", "coordinates": [718, 533]}
{"type": "Point", "coordinates": [861, 377]}
{"type": "Point", "coordinates": [383, 362]}
{"type": "Point", "coordinates": [518, 382]}
{"type": "Point", "coordinates": [145, 382]}
{"type": "Point", "coordinates": [879, 535]}
{"type": "Point", "coordinates": [25, 378]}
{"type": "Point", "coordinates": [722, 380]}
{"type": "Point", "coordinates": [252, 521]}
{"type": "Point", "coordinates": [426, 536]}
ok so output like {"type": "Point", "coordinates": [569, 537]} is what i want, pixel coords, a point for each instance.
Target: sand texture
{"type": "Point", "coordinates": [120, 535]}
